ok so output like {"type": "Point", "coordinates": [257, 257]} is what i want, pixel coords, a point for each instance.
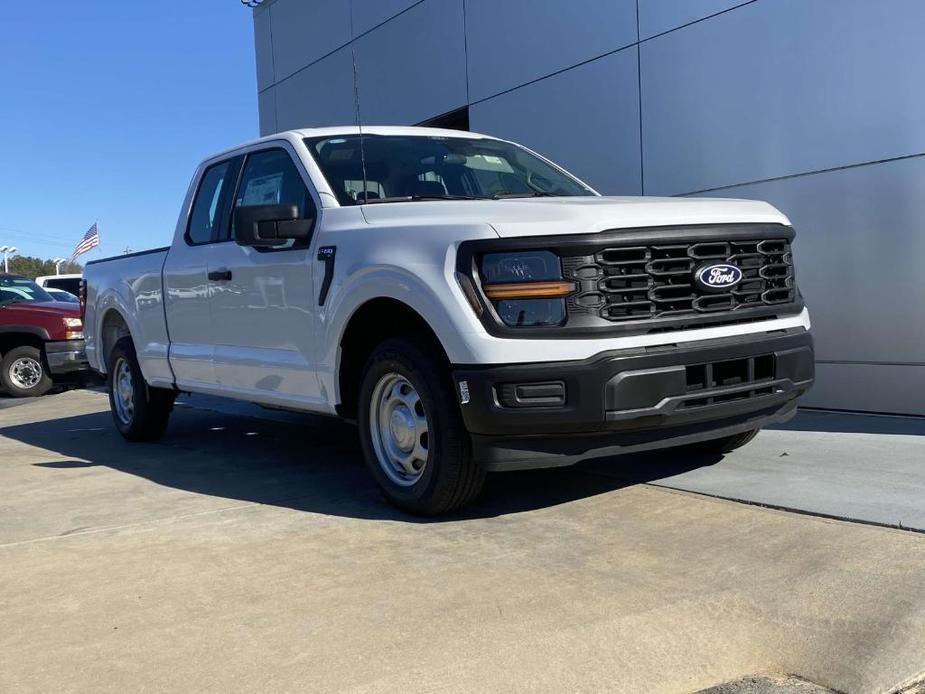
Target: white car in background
{"type": "Point", "coordinates": [63, 296]}
{"type": "Point", "coordinates": [68, 283]}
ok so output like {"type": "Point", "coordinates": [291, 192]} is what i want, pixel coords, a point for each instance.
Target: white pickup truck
{"type": "Point", "coordinates": [471, 305]}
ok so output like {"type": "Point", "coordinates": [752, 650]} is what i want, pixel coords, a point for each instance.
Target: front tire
{"type": "Point", "coordinates": [411, 431]}
{"type": "Point", "coordinates": [23, 372]}
{"type": "Point", "coordinates": [139, 411]}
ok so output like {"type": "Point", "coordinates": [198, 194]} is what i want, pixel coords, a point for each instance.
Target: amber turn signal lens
{"type": "Point", "coordinates": [529, 290]}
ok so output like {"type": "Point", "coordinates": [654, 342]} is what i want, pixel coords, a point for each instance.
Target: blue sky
{"type": "Point", "coordinates": [106, 107]}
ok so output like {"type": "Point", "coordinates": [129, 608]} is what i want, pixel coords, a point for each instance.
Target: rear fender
{"type": "Point", "coordinates": [152, 353]}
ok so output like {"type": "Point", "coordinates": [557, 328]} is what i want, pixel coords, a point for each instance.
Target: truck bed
{"type": "Point", "coordinates": [133, 285]}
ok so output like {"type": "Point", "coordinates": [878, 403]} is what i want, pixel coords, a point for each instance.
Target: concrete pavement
{"type": "Point", "coordinates": [867, 468]}
{"type": "Point", "coordinates": [7, 402]}
{"type": "Point", "coordinates": [858, 467]}
{"type": "Point", "coordinates": [255, 555]}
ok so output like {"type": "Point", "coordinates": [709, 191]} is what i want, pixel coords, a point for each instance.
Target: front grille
{"type": "Point", "coordinates": [635, 283]}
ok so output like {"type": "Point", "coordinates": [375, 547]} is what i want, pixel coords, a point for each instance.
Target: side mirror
{"type": "Point", "coordinates": [270, 225]}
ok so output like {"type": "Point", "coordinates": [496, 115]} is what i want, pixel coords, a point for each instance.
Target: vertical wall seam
{"type": "Point", "coordinates": [642, 166]}
{"type": "Point", "coordinates": [273, 69]}
{"type": "Point", "coordinates": [466, 49]}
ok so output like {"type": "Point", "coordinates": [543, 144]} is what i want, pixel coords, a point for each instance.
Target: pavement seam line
{"type": "Point", "coordinates": [159, 521]}
{"type": "Point", "coordinates": [786, 509]}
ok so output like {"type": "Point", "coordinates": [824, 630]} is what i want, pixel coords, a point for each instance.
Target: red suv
{"type": "Point", "coordinates": [41, 340]}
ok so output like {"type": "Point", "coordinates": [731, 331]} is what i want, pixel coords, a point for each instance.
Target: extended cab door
{"type": "Point", "coordinates": [263, 308]}
{"type": "Point", "coordinates": [186, 281]}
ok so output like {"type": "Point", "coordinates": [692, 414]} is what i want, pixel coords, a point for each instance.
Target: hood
{"type": "Point", "coordinates": [573, 215]}
{"type": "Point", "coordinates": [48, 308]}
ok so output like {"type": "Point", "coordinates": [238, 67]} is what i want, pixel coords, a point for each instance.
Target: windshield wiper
{"type": "Point", "coordinates": [504, 195]}
{"type": "Point", "coordinates": [414, 198]}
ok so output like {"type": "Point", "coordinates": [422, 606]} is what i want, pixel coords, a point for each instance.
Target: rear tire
{"type": "Point", "coordinates": [411, 431]}
{"type": "Point", "coordinates": [727, 444]}
{"type": "Point", "coordinates": [23, 372]}
{"type": "Point", "coordinates": [139, 411]}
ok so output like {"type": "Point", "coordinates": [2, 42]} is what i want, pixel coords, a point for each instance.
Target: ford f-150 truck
{"type": "Point", "coordinates": [471, 305]}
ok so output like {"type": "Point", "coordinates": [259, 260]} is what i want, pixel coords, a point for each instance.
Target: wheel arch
{"type": "Point", "coordinates": [17, 337]}
{"type": "Point", "coordinates": [371, 323]}
{"type": "Point", "coordinates": [113, 327]}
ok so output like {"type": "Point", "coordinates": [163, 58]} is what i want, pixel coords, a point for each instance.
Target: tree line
{"type": "Point", "coordinates": [33, 267]}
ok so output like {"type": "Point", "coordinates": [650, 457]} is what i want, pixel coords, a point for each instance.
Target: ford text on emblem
{"type": "Point", "coordinates": [717, 277]}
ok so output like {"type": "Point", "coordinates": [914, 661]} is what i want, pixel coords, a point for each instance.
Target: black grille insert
{"type": "Point", "coordinates": [657, 281]}
{"type": "Point", "coordinates": [736, 379]}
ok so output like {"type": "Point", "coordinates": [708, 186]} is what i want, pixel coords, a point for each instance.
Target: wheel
{"type": "Point", "coordinates": [412, 433]}
{"type": "Point", "coordinates": [23, 372]}
{"type": "Point", "coordinates": [727, 444]}
{"type": "Point", "coordinates": [139, 411]}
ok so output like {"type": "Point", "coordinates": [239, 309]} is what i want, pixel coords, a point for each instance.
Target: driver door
{"type": "Point", "coordinates": [262, 299]}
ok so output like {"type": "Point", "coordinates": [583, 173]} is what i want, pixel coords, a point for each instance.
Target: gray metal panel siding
{"type": "Point", "coordinates": [784, 87]}
{"type": "Point", "coordinates": [266, 108]}
{"type": "Point", "coordinates": [263, 49]}
{"type": "Point", "coordinates": [370, 13]}
{"type": "Point", "coordinates": [659, 16]}
{"type": "Point", "coordinates": [321, 94]}
{"type": "Point", "coordinates": [869, 388]}
{"type": "Point", "coordinates": [599, 145]}
{"type": "Point", "coordinates": [304, 31]}
{"type": "Point", "coordinates": [859, 254]}
{"type": "Point", "coordinates": [516, 41]}
{"type": "Point", "coordinates": [414, 66]}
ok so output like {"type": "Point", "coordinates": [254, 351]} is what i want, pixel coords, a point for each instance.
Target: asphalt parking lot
{"type": "Point", "coordinates": [249, 551]}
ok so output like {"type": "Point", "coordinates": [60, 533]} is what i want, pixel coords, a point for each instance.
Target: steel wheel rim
{"type": "Point", "coordinates": [26, 373]}
{"type": "Point", "coordinates": [400, 429]}
{"type": "Point", "coordinates": [123, 391]}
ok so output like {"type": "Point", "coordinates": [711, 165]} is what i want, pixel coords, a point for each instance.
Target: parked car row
{"type": "Point", "coordinates": [41, 337]}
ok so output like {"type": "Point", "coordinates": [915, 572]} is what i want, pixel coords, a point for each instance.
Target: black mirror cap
{"type": "Point", "coordinates": [270, 225]}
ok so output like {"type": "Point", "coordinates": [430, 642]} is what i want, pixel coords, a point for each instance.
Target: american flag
{"type": "Point", "coordinates": [90, 240]}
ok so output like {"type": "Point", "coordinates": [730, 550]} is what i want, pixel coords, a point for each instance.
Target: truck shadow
{"type": "Point", "coordinates": [314, 465]}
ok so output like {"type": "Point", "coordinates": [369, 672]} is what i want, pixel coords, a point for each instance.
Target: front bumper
{"type": "Point", "coordinates": [66, 357]}
{"type": "Point", "coordinates": [542, 415]}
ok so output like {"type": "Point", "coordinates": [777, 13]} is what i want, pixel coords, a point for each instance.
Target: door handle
{"type": "Point", "coordinates": [223, 274]}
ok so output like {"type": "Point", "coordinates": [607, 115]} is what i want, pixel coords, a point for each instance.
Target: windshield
{"type": "Point", "coordinates": [18, 289]}
{"type": "Point", "coordinates": [415, 167]}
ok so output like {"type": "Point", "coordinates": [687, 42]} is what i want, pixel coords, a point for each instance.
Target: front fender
{"type": "Point", "coordinates": [430, 290]}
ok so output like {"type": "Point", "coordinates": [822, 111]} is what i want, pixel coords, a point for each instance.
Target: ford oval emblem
{"type": "Point", "coordinates": [717, 277]}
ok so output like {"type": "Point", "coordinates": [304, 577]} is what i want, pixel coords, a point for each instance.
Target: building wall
{"type": "Point", "coordinates": [813, 105]}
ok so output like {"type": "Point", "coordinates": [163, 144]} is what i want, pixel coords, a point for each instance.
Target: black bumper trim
{"type": "Point", "coordinates": [644, 391]}
{"type": "Point", "coordinates": [505, 454]}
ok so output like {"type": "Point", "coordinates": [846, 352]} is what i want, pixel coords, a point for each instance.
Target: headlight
{"type": "Point", "coordinates": [73, 323]}
{"type": "Point", "coordinates": [525, 287]}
